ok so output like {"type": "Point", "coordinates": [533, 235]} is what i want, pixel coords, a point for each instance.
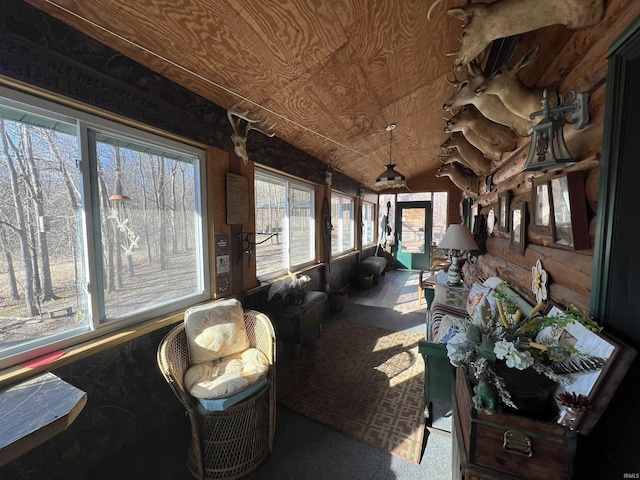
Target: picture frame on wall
{"type": "Point", "coordinates": [541, 207]}
{"type": "Point", "coordinates": [518, 226]}
{"type": "Point", "coordinates": [504, 200]}
{"type": "Point", "coordinates": [570, 225]}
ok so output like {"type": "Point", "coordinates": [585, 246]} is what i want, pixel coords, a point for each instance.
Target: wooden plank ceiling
{"type": "Point", "coordinates": [331, 74]}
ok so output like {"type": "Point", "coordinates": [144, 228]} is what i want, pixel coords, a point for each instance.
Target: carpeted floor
{"type": "Point", "coordinates": [363, 381]}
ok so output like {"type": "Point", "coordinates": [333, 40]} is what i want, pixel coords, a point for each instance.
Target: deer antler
{"type": "Point", "coordinates": [239, 139]}
{"type": "Point", "coordinates": [456, 81]}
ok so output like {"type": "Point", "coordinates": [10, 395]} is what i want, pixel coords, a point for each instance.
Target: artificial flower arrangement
{"type": "Point", "coordinates": [489, 341]}
{"type": "Point", "coordinates": [292, 290]}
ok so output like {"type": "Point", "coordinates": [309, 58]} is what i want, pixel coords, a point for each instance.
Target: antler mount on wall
{"type": "Point", "coordinates": [242, 123]}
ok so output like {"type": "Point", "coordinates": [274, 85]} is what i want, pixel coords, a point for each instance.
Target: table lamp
{"type": "Point", "coordinates": [457, 238]}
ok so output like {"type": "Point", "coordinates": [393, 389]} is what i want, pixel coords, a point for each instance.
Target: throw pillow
{"type": "Point", "coordinates": [477, 296]}
{"type": "Point", "coordinates": [215, 330]}
{"type": "Point", "coordinates": [226, 376]}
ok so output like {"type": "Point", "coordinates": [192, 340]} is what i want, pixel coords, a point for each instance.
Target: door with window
{"type": "Point", "coordinates": [413, 234]}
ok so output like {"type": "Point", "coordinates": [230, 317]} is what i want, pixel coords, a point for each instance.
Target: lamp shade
{"type": "Point", "coordinates": [458, 237]}
{"type": "Point", "coordinates": [391, 178]}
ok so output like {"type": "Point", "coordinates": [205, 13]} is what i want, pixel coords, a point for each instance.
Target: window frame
{"type": "Point", "coordinates": [289, 182]}
{"type": "Point", "coordinates": [374, 222]}
{"type": "Point", "coordinates": [98, 326]}
{"type": "Point", "coordinates": [352, 224]}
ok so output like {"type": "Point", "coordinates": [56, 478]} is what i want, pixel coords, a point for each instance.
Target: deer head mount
{"type": "Point", "coordinates": [485, 22]}
{"type": "Point", "coordinates": [490, 106]}
{"type": "Point", "coordinates": [519, 99]}
{"type": "Point", "coordinates": [467, 183]}
{"type": "Point", "coordinates": [470, 156]}
{"type": "Point", "coordinates": [240, 133]}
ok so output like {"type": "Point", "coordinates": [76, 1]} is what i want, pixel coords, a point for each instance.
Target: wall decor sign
{"type": "Point", "coordinates": [237, 199]}
{"type": "Point", "coordinates": [222, 264]}
{"type": "Point", "coordinates": [222, 244]}
{"type": "Point", "coordinates": [223, 284]}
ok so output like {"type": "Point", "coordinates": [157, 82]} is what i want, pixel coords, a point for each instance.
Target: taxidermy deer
{"type": "Point", "coordinates": [470, 155]}
{"type": "Point", "coordinates": [238, 137]}
{"type": "Point", "coordinates": [468, 184]}
{"type": "Point", "coordinates": [500, 136]}
{"type": "Point", "coordinates": [482, 140]}
{"type": "Point", "coordinates": [484, 146]}
{"type": "Point", "coordinates": [520, 99]}
{"type": "Point", "coordinates": [485, 22]}
{"type": "Point", "coordinates": [490, 106]}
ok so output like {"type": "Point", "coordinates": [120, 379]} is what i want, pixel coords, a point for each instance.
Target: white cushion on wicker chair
{"type": "Point", "coordinates": [228, 375]}
{"type": "Point", "coordinates": [215, 330]}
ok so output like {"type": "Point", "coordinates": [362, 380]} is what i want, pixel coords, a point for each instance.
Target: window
{"type": "Point", "coordinates": [101, 227]}
{"type": "Point", "coordinates": [342, 219]}
{"type": "Point", "coordinates": [285, 226]}
{"type": "Point", "coordinates": [368, 223]}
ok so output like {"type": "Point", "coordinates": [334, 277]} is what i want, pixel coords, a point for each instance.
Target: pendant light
{"type": "Point", "coordinates": [391, 178]}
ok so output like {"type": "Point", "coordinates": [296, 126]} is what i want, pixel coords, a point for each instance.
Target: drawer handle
{"type": "Point", "coordinates": [517, 442]}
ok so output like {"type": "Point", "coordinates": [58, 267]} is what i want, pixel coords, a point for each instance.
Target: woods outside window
{"type": "Point", "coordinates": [102, 226]}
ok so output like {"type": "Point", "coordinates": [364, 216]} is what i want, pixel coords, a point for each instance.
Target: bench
{"type": "Point", "coordinates": [373, 265]}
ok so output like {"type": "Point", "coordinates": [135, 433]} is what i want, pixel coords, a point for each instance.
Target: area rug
{"type": "Point", "coordinates": [365, 382]}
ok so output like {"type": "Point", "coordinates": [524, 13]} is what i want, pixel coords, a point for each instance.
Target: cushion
{"type": "Point", "coordinates": [219, 404]}
{"type": "Point", "coordinates": [446, 329]}
{"type": "Point", "coordinates": [215, 330]}
{"type": "Point", "coordinates": [373, 265]}
{"type": "Point", "coordinates": [226, 376]}
{"type": "Point", "coordinates": [477, 296]}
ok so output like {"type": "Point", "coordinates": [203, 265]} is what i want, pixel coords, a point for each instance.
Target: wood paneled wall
{"type": "Point", "coordinates": [571, 60]}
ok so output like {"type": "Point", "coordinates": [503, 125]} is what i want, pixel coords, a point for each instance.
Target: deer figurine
{"type": "Point", "coordinates": [485, 22]}
{"type": "Point", "coordinates": [470, 155]}
{"type": "Point", "coordinates": [520, 99]}
{"type": "Point", "coordinates": [468, 184]}
{"type": "Point", "coordinates": [239, 138]}
{"type": "Point", "coordinates": [490, 106]}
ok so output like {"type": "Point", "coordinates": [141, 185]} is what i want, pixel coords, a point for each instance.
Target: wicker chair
{"type": "Point", "coordinates": [230, 443]}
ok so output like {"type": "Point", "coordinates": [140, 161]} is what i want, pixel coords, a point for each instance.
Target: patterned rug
{"type": "Point", "coordinates": [365, 382]}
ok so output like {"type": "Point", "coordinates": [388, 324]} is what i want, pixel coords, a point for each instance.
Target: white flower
{"type": "Point", "coordinates": [539, 281]}
{"type": "Point", "coordinates": [514, 358]}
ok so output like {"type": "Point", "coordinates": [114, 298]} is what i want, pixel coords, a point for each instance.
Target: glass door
{"type": "Point", "coordinates": [413, 234]}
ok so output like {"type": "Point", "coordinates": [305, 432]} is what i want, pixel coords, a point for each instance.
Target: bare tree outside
{"type": "Point", "coordinates": [145, 238]}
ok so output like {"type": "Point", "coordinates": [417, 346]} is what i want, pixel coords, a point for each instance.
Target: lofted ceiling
{"type": "Point", "coordinates": [330, 74]}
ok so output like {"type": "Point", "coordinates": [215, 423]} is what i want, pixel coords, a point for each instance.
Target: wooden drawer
{"type": "Point", "coordinates": [509, 446]}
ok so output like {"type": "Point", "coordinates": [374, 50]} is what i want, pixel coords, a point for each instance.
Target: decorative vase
{"type": "Point", "coordinates": [530, 391]}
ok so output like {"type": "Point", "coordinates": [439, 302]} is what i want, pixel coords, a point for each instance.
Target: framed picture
{"type": "Point", "coordinates": [518, 225]}
{"type": "Point", "coordinates": [541, 207]}
{"type": "Point", "coordinates": [570, 225]}
{"type": "Point", "coordinates": [504, 199]}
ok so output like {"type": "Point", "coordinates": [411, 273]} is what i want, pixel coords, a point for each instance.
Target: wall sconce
{"type": "Point", "coordinates": [548, 149]}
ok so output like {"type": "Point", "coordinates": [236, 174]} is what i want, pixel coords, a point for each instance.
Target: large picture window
{"type": "Point", "coordinates": [285, 224]}
{"type": "Point", "coordinates": [101, 226]}
{"type": "Point", "coordinates": [342, 219]}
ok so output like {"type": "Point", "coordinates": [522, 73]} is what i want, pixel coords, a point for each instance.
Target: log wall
{"type": "Point", "coordinates": [571, 60]}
